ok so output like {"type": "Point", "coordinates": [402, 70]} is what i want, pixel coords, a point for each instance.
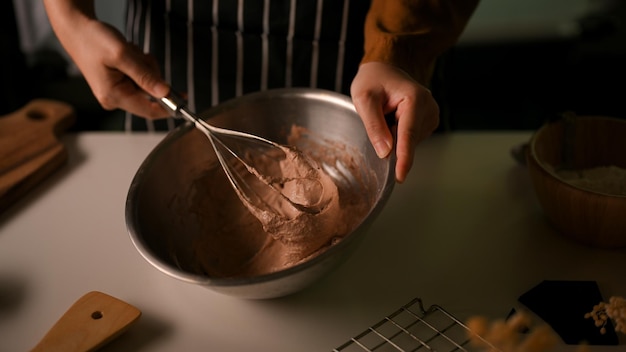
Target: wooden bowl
{"type": "Point", "coordinates": [591, 214]}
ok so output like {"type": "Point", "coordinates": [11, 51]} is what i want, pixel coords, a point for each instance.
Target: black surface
{"type": "Point", "coordinates": [563, 305]}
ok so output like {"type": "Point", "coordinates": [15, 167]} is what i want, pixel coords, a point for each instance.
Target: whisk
{"type": "Point", "coordinates": [255, 166]}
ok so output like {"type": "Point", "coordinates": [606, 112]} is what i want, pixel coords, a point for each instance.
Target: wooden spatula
{"type": "Point", "coordinates": [91, 322]}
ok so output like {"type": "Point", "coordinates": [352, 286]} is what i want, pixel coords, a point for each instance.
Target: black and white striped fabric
{"type": "Point", "coordinates": [215, 50]}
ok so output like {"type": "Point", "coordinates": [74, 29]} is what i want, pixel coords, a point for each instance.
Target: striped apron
{"type": "Point", "coordinates": [215, 50]}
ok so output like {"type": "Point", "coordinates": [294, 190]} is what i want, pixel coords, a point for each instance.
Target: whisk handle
{"type": "Point", "coordinates": [176, 105]}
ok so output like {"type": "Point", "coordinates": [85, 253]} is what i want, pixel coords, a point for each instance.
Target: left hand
{"type": "Point", "coordinates": [379, 89]}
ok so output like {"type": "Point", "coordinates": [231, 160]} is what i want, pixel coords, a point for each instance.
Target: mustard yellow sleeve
{"type": "Point", "coordinates": [411, 34]}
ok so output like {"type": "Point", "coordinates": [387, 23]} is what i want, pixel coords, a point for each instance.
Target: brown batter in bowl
{"type": "Point", "coordinates": [233, 242]}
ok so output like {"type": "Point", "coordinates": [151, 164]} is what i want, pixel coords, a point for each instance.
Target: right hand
{"type": "Point", "coordinates": [118, 73]}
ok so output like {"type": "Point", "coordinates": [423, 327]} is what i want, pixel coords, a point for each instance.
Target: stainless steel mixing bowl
{"type": "Point", "coordinates": [165, 237]}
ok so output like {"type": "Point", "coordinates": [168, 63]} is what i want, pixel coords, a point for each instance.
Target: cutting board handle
{"type": "Point", "coordinates": [30, 149]}
{"type": "Point", "coordinates": [33, 129]}
{"type": "Point", "coordinates": [91, 322]}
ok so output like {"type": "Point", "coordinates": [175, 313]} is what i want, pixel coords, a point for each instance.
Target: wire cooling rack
{"type": "Point", "coordinates": [413, 328]}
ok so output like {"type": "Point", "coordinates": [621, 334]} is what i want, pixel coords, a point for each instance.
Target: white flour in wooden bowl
{"type": "Point", "coordinates": [605, 179]}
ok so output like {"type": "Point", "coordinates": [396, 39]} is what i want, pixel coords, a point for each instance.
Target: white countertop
{"type": "Point", "coordinates": [464, 232]}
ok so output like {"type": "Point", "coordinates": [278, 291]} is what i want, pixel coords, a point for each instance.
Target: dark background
{"type": "Point", "coordinates": [519, 84]}
{"type": "Point", "coordinates": [506, 83]}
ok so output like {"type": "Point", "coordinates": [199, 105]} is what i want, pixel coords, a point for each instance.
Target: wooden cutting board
{"type": "Point", "coordinates": [30, 149]}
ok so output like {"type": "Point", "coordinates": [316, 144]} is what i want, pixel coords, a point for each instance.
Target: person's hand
{"type": "Point", "coordinates": [118, 73]}
{"type": "Point", "coordinates": [379, 89]}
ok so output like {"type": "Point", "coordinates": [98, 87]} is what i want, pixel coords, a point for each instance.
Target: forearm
{"type": "Point", "coordinates": [411, 34]}
{"type": "Point", "coordinates": [68, 19]}
{"type": "Point", "coordinates": [67, 13]}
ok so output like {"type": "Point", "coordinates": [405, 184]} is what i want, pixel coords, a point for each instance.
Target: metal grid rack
{"type": "Point", "coordinates": [413, 328]}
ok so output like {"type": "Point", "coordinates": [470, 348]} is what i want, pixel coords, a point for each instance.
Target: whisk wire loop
{"type": "Point", "coordinates": [232, 160]}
